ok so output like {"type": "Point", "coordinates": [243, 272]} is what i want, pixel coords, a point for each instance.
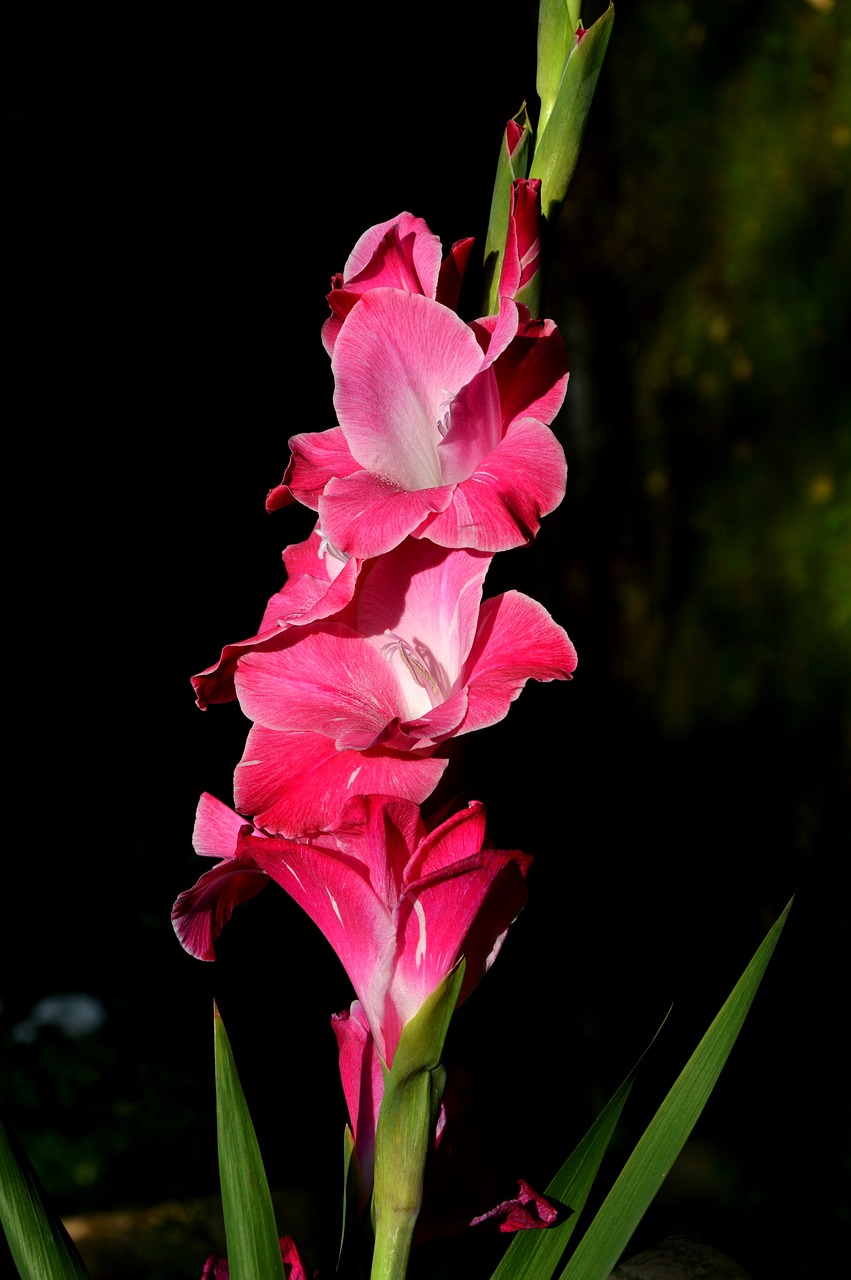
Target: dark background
{"type": "Point", "coordinates": [182, 187]}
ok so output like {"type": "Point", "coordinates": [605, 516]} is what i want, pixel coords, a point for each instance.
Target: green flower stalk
{"type": "Point", "coordinates": [570, 57]}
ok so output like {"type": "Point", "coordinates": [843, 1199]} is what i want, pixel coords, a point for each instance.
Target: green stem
{"type": "Point", "coordinates": [393, 1245]}
{"type": "Point", "coordinates": [413, 1088]}
{"type": "Point", "coordinates": [405, 1126]}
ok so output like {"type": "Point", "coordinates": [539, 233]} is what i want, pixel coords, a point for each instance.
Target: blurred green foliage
{"type": "Point", "coordinates": [715, 215]}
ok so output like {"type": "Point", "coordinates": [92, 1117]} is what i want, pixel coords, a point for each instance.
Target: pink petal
{"type": "Point", "coordinates": [338, 897]}
{"type": "Point", "coordinates": [401, 254]}
{"type": "Point", "coordinates": [475, 428]}
{"type": "Point", "coordinates": [319, 582]}
{"type": "Point", "coordinates": [310, 598]}
{"type": "Point", "coordinates": [399, 362]}
{"type": "Point", "coordinates": [509, 280]}
{"type": "Point", "coordinates": [340, 900]}
{"type": "Point", "coordinates": [200, 913]}
{"type": "Point", "coordinates": [434, 727]}
{"type": "Point", "coordinates": [366, 515]}
{"type": "Point", "coordinates": [532, 373]}
{"type": "Point", "coordinates": [526, 1210]}
{"type": "Point", "coordinates": [321, 679]}
{"type": "Point", "coordinates": [316, 457]}
{"type": "Point", "coordinates": [297, 782]}
{"type": "Point", "coordinates": [496, 333]}
{"type": "Point", "coordinates": [522, 258]}
{"type": "Point", "coordinates": [217, 828]}
{"type": "Point", "coordinates": [429, 596]}
{"type": "Point", "coordinates": [502, 504]}
{"type": "Point", "coordinates": [216, 1268]}
{"type": "Point", "coordinates": [291, 1258]}
{"type": "Point", "coordinates": [478, 519]}
{"type": "Point", "coordinates": [463, 906]}
{"type": "Point", "coordinates": [215, 684]}
{"type": "Point", "coordinates": [363, 1084]}
{"type": "Point", "coordinates": [517, 640]}
{"type": "Point", "coordinates": [317, 586]}
{"type": "Point", "coordinates": [456, 839]}
{"type": "Point", "coordinates": [513, 135]}
{"type": "Point", "coordinates": [381, 832]}
{"type": "Point", "coordinates": [452, 271]}
{"type": "Point", "coordinates": [527, 217]}
{"type": "Point", "coordinates": [506, 898]}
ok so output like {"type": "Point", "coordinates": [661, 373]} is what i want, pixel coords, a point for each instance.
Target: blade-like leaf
{"type": "Point", "coordinates": [663, 1139]}
{"type": "Point", "coordinates": [534, 1255]}
{"type": "Point", "coordinates": [39, 1243]}
{"type": "Point", "coordinates": [252, 1240]}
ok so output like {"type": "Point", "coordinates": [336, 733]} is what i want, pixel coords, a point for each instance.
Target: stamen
{"type": "Point", "coordinates": [444, 423]}
{"type": "Point", "coordinates": [415, 663]}
{"type": "Point", "coordinates": [328, 547]}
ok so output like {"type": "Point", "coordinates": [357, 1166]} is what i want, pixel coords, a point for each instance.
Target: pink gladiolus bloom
{"type": "Point", "coordinates": [200, 913]}
{"type": "Point", "coordinates": [360, 703]}
{"type": "Point", "coordinates": [443, 429]}
{"type": "Point", "coordinates": [398, 903]}
{"type": "Point", "coordinates": [402, 254]}
{"type": "Point", "coordinates": [319, 583]}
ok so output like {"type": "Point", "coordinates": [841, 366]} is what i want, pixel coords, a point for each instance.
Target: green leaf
{"type": "Point", "coordinates": [560, 139]}
{"type": "Point", "coordinates": [663, 1139]}
{"type": "Point", "coordinates": [252, 1238]}
{"type": "Point", "coordinates": [534, 1255]}
{"type": "Point", "coordinates": [39, 1243]}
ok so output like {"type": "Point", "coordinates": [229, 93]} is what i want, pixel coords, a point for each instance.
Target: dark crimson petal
{"type": "Point", "coordinates": [526, 1210]}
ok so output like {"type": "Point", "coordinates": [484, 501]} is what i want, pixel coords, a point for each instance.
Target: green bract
{"type": "Point", "coordinates": [560, 137]}
{"type": "Point", "coordinates": [413, 1088]}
